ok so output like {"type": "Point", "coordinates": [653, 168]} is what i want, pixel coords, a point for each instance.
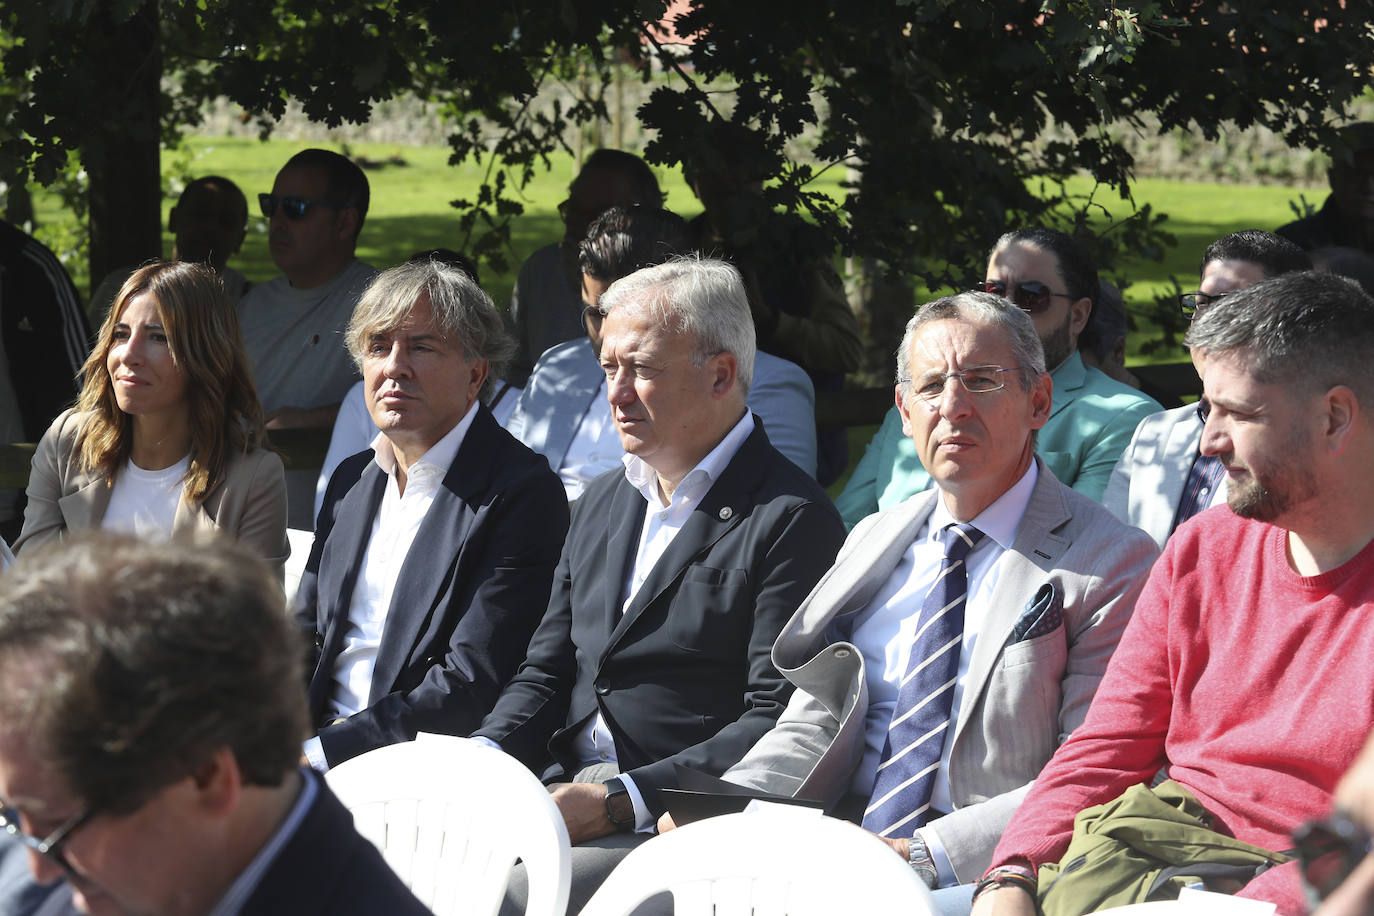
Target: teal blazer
{"type": "Point", "coordinates": [1092, 417]}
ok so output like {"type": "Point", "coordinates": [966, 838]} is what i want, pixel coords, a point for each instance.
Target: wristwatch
{"type": "Point", "coordinates": [918, 855]}
{"type": "Point", "coordinates": [620, 810]}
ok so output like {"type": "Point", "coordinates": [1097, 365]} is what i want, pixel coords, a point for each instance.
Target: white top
{"type": "Point", "coordinates": [595, 743]}
{"type": "Point", "coordinates": [144, 503]}
{"type": "Point", "coordinates": [394, 528]}
{"type": "Point", "coordinates": [595, 447]}
{"type": "Point", "coordinates": [885, 630]}
{"type": "Point", "coordinates": [295, 338]}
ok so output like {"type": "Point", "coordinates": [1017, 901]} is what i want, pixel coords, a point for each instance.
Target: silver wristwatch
{"type": "Point", "coordinates": [921, 862]}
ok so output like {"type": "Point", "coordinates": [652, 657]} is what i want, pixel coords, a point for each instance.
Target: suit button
{"type": "Point", "coordinates": [319, 641]}
{"type": "Point", "coordinates": [431, 661]}
{"type": "Point", "coordinates": [602, 688]}
{"type": "Point", "coordinates": [842, 653]}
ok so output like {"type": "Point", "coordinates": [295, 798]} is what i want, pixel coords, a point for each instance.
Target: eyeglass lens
{"type": "Point", "coordinates": [292, 207]}
{"type": "Point", "coordinates": [1031, 296]}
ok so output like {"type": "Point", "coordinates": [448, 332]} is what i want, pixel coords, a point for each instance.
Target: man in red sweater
{"type": "Point", "coordinates": [1245, 668]}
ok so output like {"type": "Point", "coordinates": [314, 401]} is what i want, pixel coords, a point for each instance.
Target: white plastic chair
{"type": "Point", "coordinates": [776, 861]}
{"type": "Point", "coordinates": [301, 542]}
{"type": "Point", "coordinates": [451, 816]}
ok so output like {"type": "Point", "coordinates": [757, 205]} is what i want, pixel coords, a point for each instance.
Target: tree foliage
{"type": "Point", "coordinates": [959, 118]}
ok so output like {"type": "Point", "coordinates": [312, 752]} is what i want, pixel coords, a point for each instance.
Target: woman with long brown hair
{"type": "Point", "coordinates": [167, 433]}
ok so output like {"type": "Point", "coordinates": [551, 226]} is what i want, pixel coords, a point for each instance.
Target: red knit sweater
{"type": "Point", "coordinates": [1254, 684]}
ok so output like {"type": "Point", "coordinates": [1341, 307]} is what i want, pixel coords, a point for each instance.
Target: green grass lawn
{"type": "Point", "coordinates": [410, 210]}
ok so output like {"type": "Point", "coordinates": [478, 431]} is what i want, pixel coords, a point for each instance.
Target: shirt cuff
{"type": "Point", "coordinates": [486, 741]}
{"type": "Point", "coordinates": [644, 821]}
{"type": "Point", "coordinates": [944, 870]}
{"type": "Point", "coordinates": [314, 752]}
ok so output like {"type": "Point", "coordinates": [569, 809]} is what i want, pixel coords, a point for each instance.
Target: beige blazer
{"type": "Point", "coordinates": [1022, 697]}
{"type": "Point", "coordinates": [249, 504]}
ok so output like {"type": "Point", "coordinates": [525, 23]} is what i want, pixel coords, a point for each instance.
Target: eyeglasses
{"type": "Point", "coordinates": [51, 845]}
{"type": "Point", "coordinates": [1031, 296]}
{"type": "Point", "coordinates": [978, 380]}
{"type": "Point", "coordinates": [592, 316]}
{"type": "Point", "coordinates": [1204, 408]}
{"type": "Point", "coordinates": [293, 207]}
{"type": "Point", "coordinates": [1193, 304]}
{"type": "Point", "coordinates": [1329, 851]}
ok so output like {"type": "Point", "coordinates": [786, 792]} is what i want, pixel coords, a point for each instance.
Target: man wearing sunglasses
{"type": "Point", "coordinates": [293, 324]}
{"type": "Point", "coordinates": [1053, 279]}
{"type": "Point", "coordinates": [1244, 671]}
{"type": "Point", "coordinates": [1161, 479]}
{"type": "Point", "coordinates": [150, 714]}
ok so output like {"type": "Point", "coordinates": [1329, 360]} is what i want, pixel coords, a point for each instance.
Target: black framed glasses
{"type": "Point", "coordinates": [1328, 851]}
{"type": "Point", "coordinates": [1204, 409]}
{"type": "Point", "coordinates": [51, 845]}
{"type": "Point", "coordinates": [1194, 304]}
{"type": "Point", "coordinates": [1032, 296]}
{"type": "Point", "coordinates": [978, 380]}
{"type": "Point", "coordinates": [293, 207]}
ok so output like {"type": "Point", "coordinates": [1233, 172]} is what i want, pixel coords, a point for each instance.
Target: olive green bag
{"type": "Point", "coordinates": [1148, 844]}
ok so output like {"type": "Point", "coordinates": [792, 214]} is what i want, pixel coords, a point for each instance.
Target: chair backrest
{"type": "Point", "coordinates": [451, 816]}
{"type": "Point", "coordinates": [780, 862]}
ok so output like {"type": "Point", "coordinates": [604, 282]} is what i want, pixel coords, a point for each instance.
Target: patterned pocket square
{"type": "Point", "coordinates": [1044, 614]}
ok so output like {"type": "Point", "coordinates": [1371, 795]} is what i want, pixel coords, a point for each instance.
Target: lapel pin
{"type": "Point", "coordinates": [725, 513]}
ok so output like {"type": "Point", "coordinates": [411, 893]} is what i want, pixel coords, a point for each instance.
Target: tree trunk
{"type": "Point", "coordinates": [122, 160]}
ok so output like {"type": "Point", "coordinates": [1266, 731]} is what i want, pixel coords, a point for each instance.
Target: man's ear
{"type": "Point", "coordinates": [1341, 409]}
{"type": "Point", "coordinates": [346, 223]}
{"type": "Point", "coordinates": [902, 409]}
{"type": "Point", "coordinates": [1042, 399]}
{"type": "Point", "coordinates": [218, 782]}
{"type": "Point", "coordinates": [726, 373]}
{"type": "Point", "coordinates": [477, 374]}
{"type": "Point", "coordinates": [1079, 313]}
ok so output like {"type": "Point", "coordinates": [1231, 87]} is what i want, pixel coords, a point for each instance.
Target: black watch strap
{"type": "Point", "coordinates": [620, 810]}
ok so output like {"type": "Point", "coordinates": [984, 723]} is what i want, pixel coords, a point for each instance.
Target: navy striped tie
{"type": "Point", "coordinates": [900, 800]}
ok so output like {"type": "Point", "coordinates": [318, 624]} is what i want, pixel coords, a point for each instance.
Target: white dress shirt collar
{"type": "Point", "coordinates": [698, 480]}
{"type": "Point", "coordinates": [439, 457]}
{"type": "Point", "coordinates": [998, 521]}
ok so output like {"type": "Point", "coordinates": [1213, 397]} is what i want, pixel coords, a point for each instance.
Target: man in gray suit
{"type": "Point", "coordinates": [1049, 583]}
{"type": "Point", "coordinates": [1162, 480]}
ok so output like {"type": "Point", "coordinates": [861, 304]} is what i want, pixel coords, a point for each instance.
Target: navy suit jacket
{"type": "Point", "coordinates": [328, 868]}
{"type": "Point", "coordinates": [467, 597]}
{"type": "Point", "coordinates": [685, 674]}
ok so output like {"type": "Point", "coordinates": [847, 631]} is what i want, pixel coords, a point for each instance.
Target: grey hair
{"type": "Point", "coordinates": [1304, 329]}
{"type": "Point", "coordinates": [703, 297]}
{"type": "Point", "coordinates": [984, 308]}
{"type": "Point", "coordinates": [462, 311]}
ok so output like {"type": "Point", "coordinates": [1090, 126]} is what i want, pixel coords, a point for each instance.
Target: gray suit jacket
{"type": "Point", "coordinates": [568, 376]}
{"type": "Point", "coordinates": [1022, 698]}
{"type": "Point", "coordinates": [248, 505]}
{"type": "Point", "coordinates": [1147, 483]}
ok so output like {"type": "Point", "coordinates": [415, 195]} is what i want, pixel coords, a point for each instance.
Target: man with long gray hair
{"type": "Point", "coordinates": [435, 548]}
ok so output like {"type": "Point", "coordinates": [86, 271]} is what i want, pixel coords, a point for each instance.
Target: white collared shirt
{"type": "Point", "coordinates": [884, 630]}
{"type": "Point", "coordinates": [394, 527]}
{"type": "Point", "coordinates": [595, 447]}
{"type": "Point", "coordinates": [595, 743]}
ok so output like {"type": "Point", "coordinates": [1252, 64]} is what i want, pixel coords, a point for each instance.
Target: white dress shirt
{"type": "Point", "coordinates": [884, 631]}
{"type": "Point", "coordinates": [394, 527]}
{"type": "Point", "coordinates": [595, 447]}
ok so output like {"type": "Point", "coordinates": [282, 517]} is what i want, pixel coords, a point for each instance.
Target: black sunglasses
{"type": "Point", "coordinates": [51, 845]}
{"type": "Point", "coordinates": [1032, 296]}
{"type": "Point", "coordinates": [1193, 304]}
{"type": "Point", "coordinates": [1329, 851]}
{"type": "Point", "coordinates": [293, 207]}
